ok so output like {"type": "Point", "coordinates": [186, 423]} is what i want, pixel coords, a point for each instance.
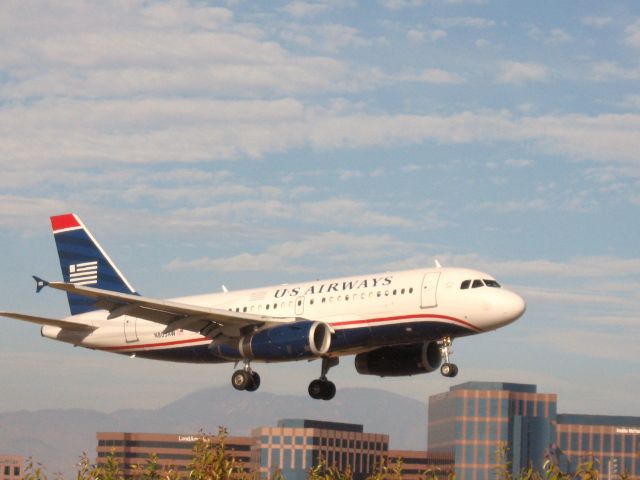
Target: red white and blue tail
{"type": "Point", "coordinates": [84, 262]}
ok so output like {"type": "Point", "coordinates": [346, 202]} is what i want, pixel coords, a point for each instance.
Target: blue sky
{"type": "Point", "coordinates": [249, 143]}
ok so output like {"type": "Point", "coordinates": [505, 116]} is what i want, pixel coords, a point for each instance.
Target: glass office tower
{"type": "Point", "coordinates": [474, 421]}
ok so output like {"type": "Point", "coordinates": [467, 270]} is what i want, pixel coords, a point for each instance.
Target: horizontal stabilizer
{"type": "Point", "coordinates": [40, 283]}
{"type": "Point", "coordinates": [72, 326]}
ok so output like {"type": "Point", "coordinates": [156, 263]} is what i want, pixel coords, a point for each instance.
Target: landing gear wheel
{"type": "Point", "coordinates": [241, 379]}
{"type": "Point", "coordinates": [449, 370]}
{"type": "Point", "coordinates": [255, 382]}
{"type": "Point", "coordinates": [330, 391]}
{"type": "Point", "coordinates": [322, 389]}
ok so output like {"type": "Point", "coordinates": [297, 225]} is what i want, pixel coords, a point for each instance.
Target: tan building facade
{"type": "Point", "coordinates": [173, 451]}
{"type": "Point", "coordinates": [11, 467]}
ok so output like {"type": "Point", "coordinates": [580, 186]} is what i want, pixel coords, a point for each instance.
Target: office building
{"type": "Point", "coordinates": [613, 441]}
{"type": "Point", "coordinates": [415, 464]}
{"type": "Point", "coordinates": [11, 467]}
{"type": "Point", "coordinates": [173, 451]}
{"type": "Point", "coordinates": [476, 421]}
{"type": "Point", "coordinates": [294, 446]}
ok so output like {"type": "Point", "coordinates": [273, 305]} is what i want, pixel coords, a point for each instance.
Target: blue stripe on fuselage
{"type": "Point", "coordinates": [345, 339]}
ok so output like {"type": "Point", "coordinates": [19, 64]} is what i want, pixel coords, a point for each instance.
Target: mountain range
{"type": "Point", "coordinates": [57, 437]}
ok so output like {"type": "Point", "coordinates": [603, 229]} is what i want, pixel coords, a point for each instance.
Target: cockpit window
{"type": "Point", "coordinates": [477, 284]}
{"type": "Point", "coordinates": [465, 284]}
{"type": "Point", "coordinates": [491, 283]}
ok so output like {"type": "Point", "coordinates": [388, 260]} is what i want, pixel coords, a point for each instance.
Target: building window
{"type": "Point", "coordinates": [16, 471]}
{"type": "Point", "coordinates": [7, 470]}
{"type": "Point", "coordinates": [574, 442]}
{"type": "Point", "coordinates": [493, 407]}
{"type": "Point", "coordinates": [585, 441]}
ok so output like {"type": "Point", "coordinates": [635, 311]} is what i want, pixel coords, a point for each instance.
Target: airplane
{"type": "Point", "coordinates": [395, 323]}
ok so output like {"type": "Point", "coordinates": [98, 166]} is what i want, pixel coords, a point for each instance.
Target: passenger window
{"type": "Point", "coordinates": [244, 309]}
{"type": "Point", "coordinates": [267, 307]}
{"type": "Point", "coordinates": [477, 284]}
{"type": "Point", "coordinates": [402, 292]}
{"type": "Point", "coordinates": [379, 293]}
{"type": "Point", "coordinates": [275, 305]}
{"type": "Point", "coordinates": [395, 291]}
{"type": "Point", "coordinates": [411, 290]}
{"type": "Point", "coordinates": [464, 285]}
{"type": "Point", "coordinates": [346, 298]}
{"type": "Point", "coordinates": [311, 302]}
{"type": "Point", "coordinates": [491, 283]}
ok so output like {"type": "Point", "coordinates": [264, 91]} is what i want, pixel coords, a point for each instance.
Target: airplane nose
{"type": "Point", "coordinates": [513, 306]}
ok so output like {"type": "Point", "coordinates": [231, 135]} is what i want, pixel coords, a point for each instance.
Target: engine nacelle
{"type": "Point", "coordinates": [289, 341]}
{"type": "Point", "coordinates": [400, 361]}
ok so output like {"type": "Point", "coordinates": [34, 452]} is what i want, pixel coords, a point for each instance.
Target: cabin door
{"type": "Point", "coordinates": [130, 332]}
{"type": "Point", "coordinates": [429, 290]}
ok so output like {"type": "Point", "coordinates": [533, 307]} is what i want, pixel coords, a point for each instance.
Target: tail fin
{"type": "Point", "coordinates": [84, 262]}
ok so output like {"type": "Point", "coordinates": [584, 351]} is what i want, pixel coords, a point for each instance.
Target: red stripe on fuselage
{"type": "Point", "coordinates": [63, 222]}
{"type": "Point", "coordinates": [406, 317]}
{"type": "Point", "coordinates": [152, 345]}
{"type": "Point", "coordinates": [337, 324]}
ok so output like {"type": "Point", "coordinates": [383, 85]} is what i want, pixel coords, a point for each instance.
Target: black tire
{"type": "Point", "coordinates": [255, 382]}
{"type": "Point", "coordinates": [454, 370]}
{"type": "Point", "coordinates": [241, 379]}
{"type": "Point", "coordinates": [446, 369]}
{"type": "Point", "coordinates": [329, 390]}
{"type": "Point", "coordinates": [316, 389]}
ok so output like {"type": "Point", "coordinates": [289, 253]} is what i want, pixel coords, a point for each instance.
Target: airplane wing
{"type": "Point", "coordinates": [78, 327]}
{"type": "Point", "coordinates": [211, 322]}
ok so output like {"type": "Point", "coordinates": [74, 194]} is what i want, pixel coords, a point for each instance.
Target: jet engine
{"type": "Point", "coordinates": [400, 361]}
{"type": "Point", "coordinates": [284, 342]}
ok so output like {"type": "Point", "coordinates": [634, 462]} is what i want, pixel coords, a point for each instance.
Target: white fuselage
{"type": "Point", "coordinates": [362, 312]}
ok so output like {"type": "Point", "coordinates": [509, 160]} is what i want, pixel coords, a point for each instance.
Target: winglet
{"type": "Point", "coordinates": [40, 283]}
{"type": "Point", "coordinates": [438, 264]}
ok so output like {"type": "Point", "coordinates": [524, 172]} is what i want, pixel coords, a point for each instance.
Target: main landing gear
{"type": "Point", "coordinates": [245, 379]}
{"type": "Point", "coordinates": [322, 388]}
{"type": "Point", "coordinates": [447, 369]}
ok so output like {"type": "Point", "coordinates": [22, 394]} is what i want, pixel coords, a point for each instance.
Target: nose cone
{"type": "Point", "coordinates": [510, 307]}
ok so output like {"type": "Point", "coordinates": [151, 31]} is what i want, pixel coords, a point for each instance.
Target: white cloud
{"type": "Point", "coordinates": [301, 9]}
{"type": "Point", "coordinates": [584, 267]}
{"type": "Point", "coordinates": [176, 14]}
{"type": "Point", "coordinates": [295, 256]}
{"type": "Point", "coordinates": [613, 71]}
{"type": "Point", "coordinates": [433, 75]}
{"type": "Point", "coordinates": [604, 345]}
{"type": "Point", "coordinates": [555, 36]}
{"type": "Point", "coordinates": [518, 73]}
{"type": "Point", "coordinates": [518, 162]}
{"type": "Point", "coordinates": [511, 206]}
{"type": "Point", "coordinates": [418, 36]}
{"type": "Point", "coordinates": [631, 102]}
{"type": "Point", "coordinates": [632, 34]}
{"type": "Point", "coordinates": [401, 4]}
{"type": "Point", "coordinates": [596, 21]}
{"type": "Point", "coordinates": [334, 36]}
{"type": "Point", "coordinates": [469, 22]}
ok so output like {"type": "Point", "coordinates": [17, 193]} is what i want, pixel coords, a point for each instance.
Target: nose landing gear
{"type": "Point", "coordinates": [447, 369]}
{"type": "Point", "coordinates": [322, 388]}
{"type": "Point", "coordinates": [245, 379]}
